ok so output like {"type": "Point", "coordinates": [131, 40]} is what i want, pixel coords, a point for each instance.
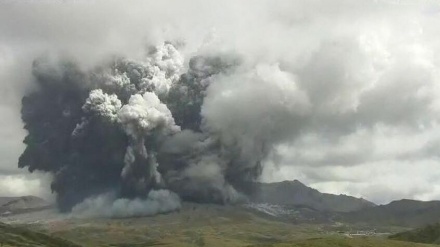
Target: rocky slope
{"type": "Point", "coordinates": [15, 205]}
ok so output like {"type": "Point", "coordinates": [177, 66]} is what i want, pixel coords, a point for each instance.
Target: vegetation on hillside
{"type": "Point", "coordinates": [17, 236]}
{"type": "Point", "coordinates": [429, 234]}
{"type": "Point", "coordinates": [345, 242]}
{"type": "Point", "coordinates": [405, 213]}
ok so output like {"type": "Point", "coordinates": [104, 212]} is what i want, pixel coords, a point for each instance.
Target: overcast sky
{"type": "Point", "coordinates": [368, 69]}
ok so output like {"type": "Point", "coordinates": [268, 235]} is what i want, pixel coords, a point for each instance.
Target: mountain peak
{"type": "Point", "coordinates": [294, 192]}
{"type": "Point", "coordinates": [295, 181]}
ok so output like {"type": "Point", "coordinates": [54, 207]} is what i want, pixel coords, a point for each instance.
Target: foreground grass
{"type": "Point", "coordinates": [315, 242]}
{"type": "Point", "coordinates": [346, 242]}
{"type": "Point", "coordinates": [210, 228]}
{"type": "Point", "coordinates": [199, 226]}
{"type": "Point", "coordinates": [239, 234]}
{"type": "Point", "coordinates": [16, 236]}
{"type": "Point", "coordinates": [428, 234]}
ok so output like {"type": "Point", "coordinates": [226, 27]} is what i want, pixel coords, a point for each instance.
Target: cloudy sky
{"type": "Point", "coordinates": [366, 72]}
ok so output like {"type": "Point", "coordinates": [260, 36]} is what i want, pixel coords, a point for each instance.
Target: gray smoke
{"type": "Point", "coordinates": [133, 128]}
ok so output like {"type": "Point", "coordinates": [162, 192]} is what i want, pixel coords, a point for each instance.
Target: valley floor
{"type": "Point", "coordinates": [194, 225]}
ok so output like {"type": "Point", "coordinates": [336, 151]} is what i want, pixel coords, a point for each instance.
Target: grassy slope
{"type": "Point", "coordinates": [408, 213]}
{"type": "Point", "coordinates": [214, 226]}
{"type": "Point", "coordinates": [428, 234]}
{"type": "Point", "coordinates": [349, 242]}
{"type": "Point", "coordinates": [194, 226]}
{"type": "Point", "coordinates": [15, 236]}
{"type": "Point", "coordinates": [131, 233]}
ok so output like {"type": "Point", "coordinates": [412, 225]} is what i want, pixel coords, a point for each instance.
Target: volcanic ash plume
{"type": "Point", "coordinates": [142, 135]}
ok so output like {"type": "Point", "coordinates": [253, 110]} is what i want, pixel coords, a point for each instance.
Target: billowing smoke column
{"type": "Point", "coordinates": [141, 135]}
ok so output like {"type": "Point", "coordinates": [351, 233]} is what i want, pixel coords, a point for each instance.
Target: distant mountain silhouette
{"type": "Point", "coordinates": [294, 200]}
{"type": "Point", "coordinates": [404, 212]}
{"type": "Point", "coordinates": [296, 193]}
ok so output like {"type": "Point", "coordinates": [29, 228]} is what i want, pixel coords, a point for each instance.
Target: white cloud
{"type": "Point", "coordinates": [21, 185]}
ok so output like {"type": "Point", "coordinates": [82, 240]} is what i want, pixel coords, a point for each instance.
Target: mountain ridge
{"type": "Point", "coordinates": [293, 201]}
{"type": "Point", "coordinates": [21, 204]}
{"type": "Point", "coordinates": [294, 192]}
{"type": "Point", "coordinates": [404, 212]}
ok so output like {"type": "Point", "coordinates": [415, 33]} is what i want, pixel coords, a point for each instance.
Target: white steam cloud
{"type": "Point", "coordinates": [107, 205]}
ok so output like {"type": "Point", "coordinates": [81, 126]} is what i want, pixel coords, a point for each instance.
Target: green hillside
{"type": "Point", "coordinates": [428, 234]}
{"type": "Point", "coordinates": [20, 237]}
{"type": "Point", "coordinates": [405, 213]}
{"type": "Point", "coordinates": [296, 193]}
{"type": "Point", "coordinates": [347, 242]}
